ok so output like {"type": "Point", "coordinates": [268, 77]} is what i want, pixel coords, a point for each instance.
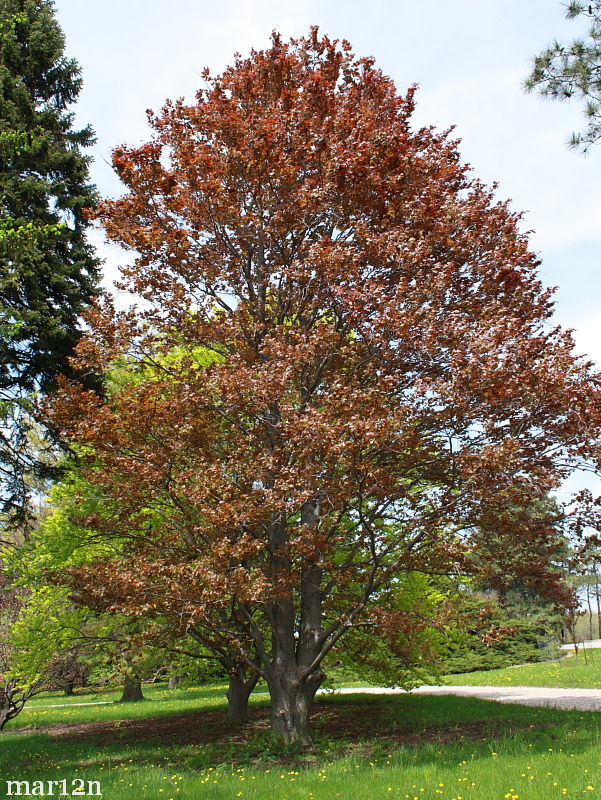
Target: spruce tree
{"type": "Point", "coordinates": [48, 272]}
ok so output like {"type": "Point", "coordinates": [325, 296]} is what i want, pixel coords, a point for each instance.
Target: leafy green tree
{"type": "Point", "coordinates": [570, 70]}
{"type": "Point", "coordinates": [400, 643]}
{"type": "Point", "coordinates": [48, 271]}
{"type": "Point", "coordinates": [25, 659]}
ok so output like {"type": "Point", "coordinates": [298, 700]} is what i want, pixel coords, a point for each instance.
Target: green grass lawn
{"type": "Point", "coordinates": [42, 710]}
{"type": "Point", "coordinates": [366, 748]}
{"type": "Point", "coordinates": [575, 673]}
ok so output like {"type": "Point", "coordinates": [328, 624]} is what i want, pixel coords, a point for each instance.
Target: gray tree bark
{"type": "Point", "coordinates": [240, 688]}
{"type": "Point", "coordinates": [292, 696]}
{"type": "Point", "coordinates": [598, 598]}
{"type": "Point", "coordinates": [292, 675]}
{"type": "Point", "coordinates": [132, 689]}
{"type": "Point", "coordinates": [4, 715]}
{"type": "Point", "coordinates": [590, 611]}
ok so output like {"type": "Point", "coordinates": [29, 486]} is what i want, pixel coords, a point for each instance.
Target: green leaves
{"type": "Point", "coordinates": [47, 624]}
{"type": "Point", "coordinates": [563, 71]}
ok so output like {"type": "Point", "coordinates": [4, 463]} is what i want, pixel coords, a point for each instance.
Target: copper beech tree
{"type": "Point", "coordinates": [387, 389]}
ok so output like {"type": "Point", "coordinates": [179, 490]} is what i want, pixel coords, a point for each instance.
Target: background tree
{"type": "Point", "coordinates": [588, 580]}
{"type": "Point", "coordinates": [499, 631]}
{"type": "Point", "coordinates": [402, 638]}
{"type": "Point", "coordinates": [571, 70]}
{"type": "Point", "coordinates": [387, 385]}
{"type": "Point", "coordinates": [48, 271]}
{"type": "Point", "coordinates": [131, 635]}
{"type": "Point", "coordinates": [25, 662]}
{"type": "Point", "coordinates": [68, 671]}
{"type": "Point", "coordinates": [581, 565]}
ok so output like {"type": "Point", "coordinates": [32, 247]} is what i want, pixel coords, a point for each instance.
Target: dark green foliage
{"type": "Point", "coordinates": [518, 631]}
{"type": "Point", "coordinates": [570, 70]}
{"type": "Point", "coordinates": [48, 272]}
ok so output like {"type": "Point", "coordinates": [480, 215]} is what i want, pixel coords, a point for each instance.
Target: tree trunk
{"type": "Point", "coordinates": [132, 689]}
{"type": "Point", "coordinates": [291, 702]}
{"type": "Point", "coordinates": [590, 611]}
{"type": "Point", "coordinates": [174, 681]}
{"type": "Point", "coordinates": [238, 693]}
{"type": "Point", "coordinates": [598, 600]}
{"type": "Point", "coordinates": [9, 707]}
{"type": "Point", "coordinates": [4, 716]}
{"type": "Point", "coordinates": [292, 670]}
{"type": "Point", "coordinates": [69, 689]}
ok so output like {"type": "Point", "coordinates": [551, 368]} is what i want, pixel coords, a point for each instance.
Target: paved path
{"type": "Point", "coordinates": [592, 643]}
{"type": "Point", "coordinates": [71, 705]}
{"type": "Point", "coordinates": [579, 699]}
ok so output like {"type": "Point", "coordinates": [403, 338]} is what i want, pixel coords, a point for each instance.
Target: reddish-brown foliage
{"type": "Point", "coordinates": [388, 386]}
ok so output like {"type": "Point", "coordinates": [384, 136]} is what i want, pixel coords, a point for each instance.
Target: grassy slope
{"type": "Point", "coordinates": [535, 754]}
{"type": "Point", "coordinates": [568, 673]}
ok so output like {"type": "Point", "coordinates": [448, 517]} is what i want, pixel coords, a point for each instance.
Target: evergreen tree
{"type": "Point", "coordinates": [48, 272]}
{"type": "Point", "coordinates": [570, 70]}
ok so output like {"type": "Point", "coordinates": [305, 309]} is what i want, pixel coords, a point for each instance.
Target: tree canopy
{"type": "Point", "coordinates": [388, 392]}
{"type": "Point", "coordinates": [49, 272]}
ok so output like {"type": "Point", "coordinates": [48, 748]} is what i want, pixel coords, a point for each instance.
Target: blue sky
{"type": "Point", "coordinates": [469, 58]}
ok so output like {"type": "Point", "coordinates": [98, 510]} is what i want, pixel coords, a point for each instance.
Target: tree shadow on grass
{"type": "Point", "coordinates": [359, 726]}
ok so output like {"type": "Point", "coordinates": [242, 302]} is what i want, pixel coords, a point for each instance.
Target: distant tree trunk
{"type": "Point", "coordinates": [69, 688]}
{"type": "Point", "coordinates": [590, 611]}
{"type": "Point", "coordinates": [596, 566]}
{"type": "Point", "coordinates": [132, 689]}
{"type": "Point", "coordinates": [238, 693]}
{"type": "Point", "coordinates": [174, 681]}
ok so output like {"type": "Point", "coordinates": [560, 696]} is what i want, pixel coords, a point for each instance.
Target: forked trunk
{"type": "Point", "coordinates": [132, 689]}
{"type": "Point", "coordinates": [292, 672]}
{"type": "Point", "coordinates": [291, 702]}
{"type": "Point", "coordinates": [238, 693]}
{"type": "Point", "coordinates": [10, 706]}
